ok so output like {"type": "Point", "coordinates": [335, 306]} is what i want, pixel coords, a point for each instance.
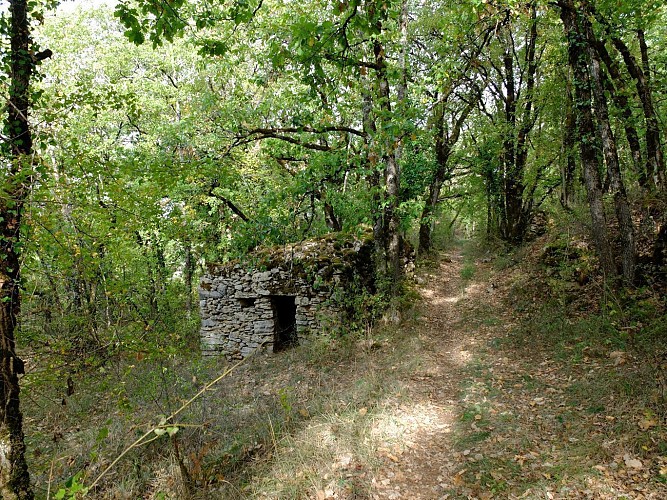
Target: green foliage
{"type": "Point", "coordinates": [285, 398]}
{"type": "Point", "coordinates": [161, 20]}
{"type": "Point", "coordinates": [468, 271]}
{"type": "Point", "coordinates": [253, 123]}
{"type": "Point", "coordinates": [361, 307]}
{"type": "Point", "coordinates": [73, 489]}
{"type": "Point", "coordinates": [418, 164]}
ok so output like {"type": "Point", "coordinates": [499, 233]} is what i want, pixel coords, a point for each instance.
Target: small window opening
{"type": "Point", "coordinates": [247, 302]}
{"type": "Point", "coordinates": [284, 313]}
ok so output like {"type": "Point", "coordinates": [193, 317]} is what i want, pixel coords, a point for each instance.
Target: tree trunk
{"type": "Point", "coordinates": [14, 477]}
{"type": "Point", "coordinates": [619, 95]}
{"type": "Point", "coordinates": [512, 189]}
{"type": "Point", "coordinates": [587, 134]}
{"type": "Point", "coordinates": [621, 206]}
{"type": "Point", "coordinates": [390, 231]}
{"type": "Point", "coordinates": [658, 163]}
{"type": "Point", "coordinates": [442, 154]}
{"type": "Point", "coordinates": [330, 217]}
{"type": "Point", "coordinates": [655, 160]}
{"type": "Point", "coordinates": [569, 166]}
{"type": "Point", "coordinates": [444, 145]}
{"type": "Point", "coordinates": [515, 210]}
{"type": "Point", "coordinates": [489, 212]}
{"type": "Point", "coordinates": [370, 129]}
{"type": "Point", "coordinates": [525, 206]}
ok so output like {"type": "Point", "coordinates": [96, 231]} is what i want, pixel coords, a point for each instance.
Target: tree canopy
{"type": "Point", "coordinates": [145, 138]}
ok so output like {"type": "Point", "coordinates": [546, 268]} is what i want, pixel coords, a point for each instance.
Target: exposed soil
{"type": "Point", "coordinates": [490, 419]}
{"type": "Point", "coordinates": [428, 466]}
{"type": "Point", "coordinates": [482, 394]}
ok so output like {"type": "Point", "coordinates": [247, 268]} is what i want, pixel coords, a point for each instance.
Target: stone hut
{"type": "Point", "coordinates": [277, 296]}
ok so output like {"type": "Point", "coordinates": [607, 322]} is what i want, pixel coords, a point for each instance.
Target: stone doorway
{"type": "Point", "coordinates": [284, 314]}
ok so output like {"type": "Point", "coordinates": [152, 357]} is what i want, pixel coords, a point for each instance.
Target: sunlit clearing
{"type": "Point", "coordinates": [462, 356]}
{"type": "Point", "coordinates": [412, 423]}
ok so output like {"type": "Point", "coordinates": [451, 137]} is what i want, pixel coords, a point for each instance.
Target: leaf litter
{"type": "Point", "coordinates": [514, 421]}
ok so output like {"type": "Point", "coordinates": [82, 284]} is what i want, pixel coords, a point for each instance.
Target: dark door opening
{"type": "Point", "coordinates": [284, 313]}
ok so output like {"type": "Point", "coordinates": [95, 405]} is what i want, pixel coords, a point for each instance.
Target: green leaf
{"type": "Point", "coordinates": [213, 48]}
{"type": "Point", "coordinates": [102, 434]}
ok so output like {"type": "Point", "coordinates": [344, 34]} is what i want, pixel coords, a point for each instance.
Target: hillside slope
{"type": "Point", "coordinates": [510, 378]}
{"type": "Point", "coordinates": [507, 385]}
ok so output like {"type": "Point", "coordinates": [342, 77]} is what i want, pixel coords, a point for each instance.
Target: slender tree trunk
{"type": "Point", "coordinates": [54, 302]}
{"type": "Point", "coordinates": [444, 145]}
{"type": "Point", "coordinates": [617, 87]}
{"type": "Point", "coordinates": [516, 211]}
{"type": "Point", "coordinates": [511, 193]}
{"type": "Point", "coordinates": [525, 203]}
{"type": "Point", "coordinates": [442, 158]}
{"type": "Point", "coordinates": [622, 208]}
{"type": "Point", "coordinates": [331, 219]}
{"type": "Point", "coordinates": [370, 129]}
{"type": "Point", "coordinates": [391, 230]}
{"type": "Point", "coordinates": [14, 477]}
{"type": "Point", "coordinates": [586, 132]}
{"type": "Point", "coordinates": [402, 87]}
{"type": "Point", "coordinates": [569, 166]}
{"type": "Point", "coordinates": [489, 212]}
{"type": "Point", "coordinates": [655, 159]}
{"type": "Point", "coordinates": [658, 164]}
{"type": "Point", "coordinates": [393, 233]}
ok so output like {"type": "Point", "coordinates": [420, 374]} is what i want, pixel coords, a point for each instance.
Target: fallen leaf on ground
{"type": "Point", "coordinates": [632, 463]}
{"type": "Point", "coordinates": [648, 422]}
{"type": "Point", "coordinates": [619, 357]}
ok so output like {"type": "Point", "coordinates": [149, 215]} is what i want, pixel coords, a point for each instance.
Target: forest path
{"type": "Point", "coordinates": [511, 400]}
{"type": "Point", "coordinates": [461, 311]}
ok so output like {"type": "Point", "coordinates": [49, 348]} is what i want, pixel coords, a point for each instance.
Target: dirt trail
{"type": "Point", "coordinates": [428, 466]}
{"type": "Point", "coordinates": [495, 415]}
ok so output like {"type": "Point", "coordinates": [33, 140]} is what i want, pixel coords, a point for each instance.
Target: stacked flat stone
{"type": "Point", "coordinates": [236, 300]}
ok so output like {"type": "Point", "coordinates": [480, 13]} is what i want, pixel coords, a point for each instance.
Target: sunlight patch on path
{"type": "Point", "coordinates": [453, 299]}
{"type": "Point", "coordinates": [416, 442]}
{"type": "Point", "coordinates": [412, 422]}
{"type": "Point", "coordinates": [463, 357]}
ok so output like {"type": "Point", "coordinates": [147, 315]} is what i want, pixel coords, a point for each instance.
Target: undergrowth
{"type": "Point", "coordinates": [574, 390]}
{"type": "Point", "coordinates": [263, 429]}
{"type": "Point", "coordinates": [570, 384]}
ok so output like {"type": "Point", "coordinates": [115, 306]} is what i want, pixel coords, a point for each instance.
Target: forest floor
{"type": "Point", "coordinates": [494, 415]}
{"type": "Point", "coordinates": [506, 380]}
{"type": "Point", "coordinates": [494, 393]}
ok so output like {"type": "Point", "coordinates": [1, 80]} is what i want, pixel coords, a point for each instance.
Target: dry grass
{"type": "Point", "coordinates": [503, 386]}
{"type": "Point", "coordinates": [280, 424]}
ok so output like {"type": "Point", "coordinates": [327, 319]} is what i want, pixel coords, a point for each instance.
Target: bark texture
{"type": "Point", "coordinates": [586, 131]}
{"type": "Point", "coordinates": [654, 155]}
{"type": "Point", "coordinates": [617, 87]}
{"type": "Point", "coordinates": [519, 82]}
{"type": "Point", "coordinates": [616, 186]}
{"type": "Point", "coordinates": [568, 166]}
{"type": "Point", "coordinates": [390, 233]}
{"type": "Point", "coordinates": [14, 477]}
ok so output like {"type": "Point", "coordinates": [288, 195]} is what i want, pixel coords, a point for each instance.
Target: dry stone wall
{"type": "Point", "coordinates": [278, 296]}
